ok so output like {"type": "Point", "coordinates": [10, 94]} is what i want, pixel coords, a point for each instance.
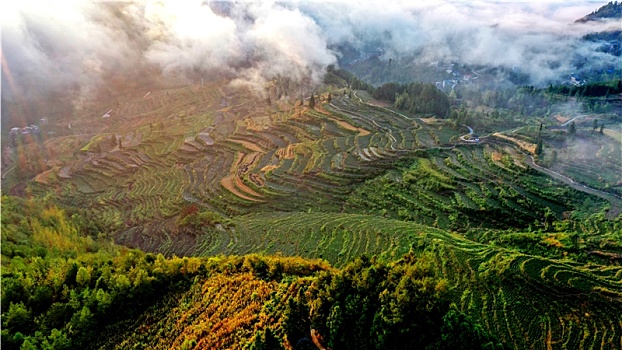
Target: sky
{"type": "Point", "coordinates": [77, 46]}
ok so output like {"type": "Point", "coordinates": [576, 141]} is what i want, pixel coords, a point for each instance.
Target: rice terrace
{"type": "Point", "coordinates": [311, 182]}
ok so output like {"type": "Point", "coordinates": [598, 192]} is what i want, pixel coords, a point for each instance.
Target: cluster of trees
{"type": "Point", "coordinates": [191, 216]}
{"type": "Point", "coordinates": [423, 98]}
{"type": "Point", "coordinates": [415, 98]}
{"type": "Point", "coordinates": [598, 89]}
{"type": "Point", "coordinates": [61, 283]}
{"type": "Point", "coordinates": [374, 305]}
{"type": "Point", "coordinates": [340, 77]}
{"type": "Point", "coordinates": [613, 9]}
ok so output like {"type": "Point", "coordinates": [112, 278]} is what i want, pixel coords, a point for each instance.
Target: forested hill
{"type": "Point", "coordinates": [612, 10]}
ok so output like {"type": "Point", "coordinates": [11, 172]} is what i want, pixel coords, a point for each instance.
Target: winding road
{"type": "Point", "coordinates": [615, 200]}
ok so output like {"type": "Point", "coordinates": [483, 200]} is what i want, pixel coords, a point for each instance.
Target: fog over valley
{"type": "Point", "coordinates": [304, 175]}
{"type": "Point", "coordinates": [76, 45]}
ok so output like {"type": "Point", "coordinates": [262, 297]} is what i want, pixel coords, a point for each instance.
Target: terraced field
{"type": "Point", "coordinates": [347, 179]}
{"type": "Point", "coordinates": [466, 187]}
{"type": "Point", "coordinates": [527, 301]}
{"type": "Point", "coordinates": [226, 151]}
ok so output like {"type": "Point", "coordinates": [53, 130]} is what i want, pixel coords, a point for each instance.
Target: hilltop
{"type": "Point", "coordinates": [613, 9]}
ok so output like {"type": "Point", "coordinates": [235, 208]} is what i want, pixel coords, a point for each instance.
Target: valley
{"type": "Point", "coordinates": [310, 176]}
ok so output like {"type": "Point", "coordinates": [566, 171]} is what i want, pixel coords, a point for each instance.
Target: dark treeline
{"type": "Point", "coordinates": [599, 89]}
{"type": "Point", "coordinates": [414, 98]}
{"type": "Point", "coordinates": [613, 9]}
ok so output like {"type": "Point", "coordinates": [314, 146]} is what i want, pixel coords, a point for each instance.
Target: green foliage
{"type": "Point", "coordinates": [389, 91]}
{"type": "Point", "coordinates": [59, 286]}
{"type": "Point", "coordinates": [465, 187]}
{"type": "Point", "coordinates": [459, 332]}
{"type": "Point", "coordinates": [420, 98]}
{"type": "Point", "coordinates": [597, 89]}
{"type": "Point", "coordinates": [266, 340]}
{"type": "Point", "coordinates": [374, 305]}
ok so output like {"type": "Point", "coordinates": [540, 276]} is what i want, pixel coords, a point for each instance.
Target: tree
{"type": "Point", "coordinates": [602, 127]}
{"type": "Point", "coordinates": [27, 345]}
{"type": "Point", "coordinates": [113, 140]}
{"type": "Point", "coordinates": [595, 125]}
{"type": "Point", "coordinates": [329, 98]}
{"type": "Point", "coordinates": [553, 157]}
{"type": "Point", "coordinates": [312, 102]}
{"type": "Point", "coordinates": [83, 276]}
{"type": "Point", "coordinates": [266, 341]}
{"type": "Point", "coordinates": [538, 150]}
{"type": "Point", "coordinates": [460, 332]}
{"type": "Point", "coordinates": [572, 129]}
{"type": "Point", "coordinates": [18, 317]}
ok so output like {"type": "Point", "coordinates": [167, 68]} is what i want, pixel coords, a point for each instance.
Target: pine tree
{"type": "Point", "coordinates": [595, 125]}
{"type": "Point", "coordinates": [602, 127]}
{"type": "Point", "coordinates": [312, 102]}
{"type": "Point", "coordinates": [329, 98]}
{"type": "Point", "coordinates": [538, 150]}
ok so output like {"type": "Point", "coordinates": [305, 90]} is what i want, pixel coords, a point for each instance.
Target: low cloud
{"type": "Point", "coordinates": [77, 45]}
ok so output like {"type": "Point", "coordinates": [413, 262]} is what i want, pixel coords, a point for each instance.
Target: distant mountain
{"type": "Point", "coordinates": [610, 39]}
{"type": "Point", "coordinates": [612, 10]}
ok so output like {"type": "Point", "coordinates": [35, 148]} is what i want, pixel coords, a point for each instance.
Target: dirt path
{"type": "Point", "coordinates": [573, 119]}
{"type": "Point", "coordinates": [384, 108]}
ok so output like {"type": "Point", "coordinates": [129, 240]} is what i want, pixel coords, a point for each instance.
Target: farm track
{"type": "Point", "coordinates": [615, 200]}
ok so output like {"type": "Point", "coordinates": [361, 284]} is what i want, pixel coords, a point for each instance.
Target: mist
{"type": "Point", "coordinates": [76, 46]}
